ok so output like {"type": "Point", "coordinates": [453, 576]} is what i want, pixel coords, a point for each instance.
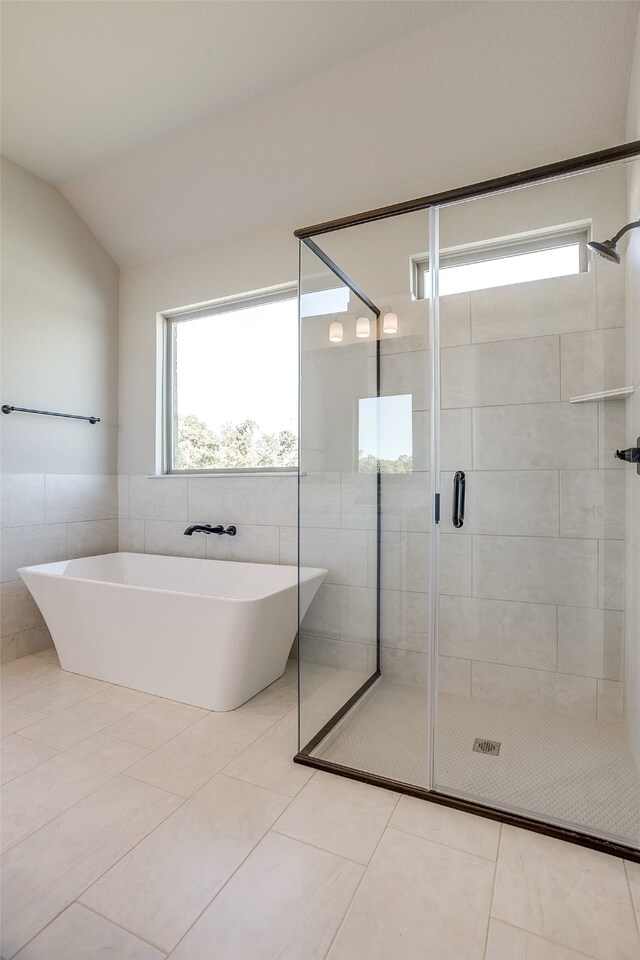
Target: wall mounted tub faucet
{"type": "Point", "coordinates": [207, 528]}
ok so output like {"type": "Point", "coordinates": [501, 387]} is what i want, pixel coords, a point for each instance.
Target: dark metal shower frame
{"type": "Point", "coordinates": [551, 171]}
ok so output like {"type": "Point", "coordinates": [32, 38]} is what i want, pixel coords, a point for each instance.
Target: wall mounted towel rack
{"type": "Point", "coordinates": [7, 408]}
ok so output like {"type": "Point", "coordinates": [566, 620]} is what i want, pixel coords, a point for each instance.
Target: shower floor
{"type": "Point", "coordinates": [575, 771]}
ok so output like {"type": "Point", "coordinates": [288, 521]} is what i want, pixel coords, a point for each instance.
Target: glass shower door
{"type": "Point", "coordinates": [365, 435]}
{"type": "Point", "coordinates": [338, 494]}
{"type": "Point", "coordinates": [529, 696]}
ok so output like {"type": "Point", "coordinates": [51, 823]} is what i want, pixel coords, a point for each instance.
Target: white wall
{"type": "Point", "coordinates": [59, 331]}
{"type": "Point", "coordinates": [59, 352]}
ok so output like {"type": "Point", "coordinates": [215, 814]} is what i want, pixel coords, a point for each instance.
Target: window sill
{"type": "Point", "coordinates": [231, 473]}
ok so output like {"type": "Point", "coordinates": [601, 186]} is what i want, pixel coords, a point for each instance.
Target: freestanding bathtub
{"type": "Point", "coordinates": [212, 633]}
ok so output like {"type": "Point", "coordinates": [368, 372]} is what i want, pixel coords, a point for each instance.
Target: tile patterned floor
{"type": "Point", "coordinates": [573, 770]}
{"type": "Point", "coordinates": [139, 829]}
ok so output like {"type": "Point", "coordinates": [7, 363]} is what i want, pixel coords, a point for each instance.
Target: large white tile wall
{"type": "Point", "coordinates": [532, 605]}
{"type": "Point", "coordinates": [48, 517]}
{"type": "Point", "coordinates": [154, 512]}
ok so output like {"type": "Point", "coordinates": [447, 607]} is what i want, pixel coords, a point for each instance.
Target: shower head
{"type": "Point", "coordinates": [608, 248]}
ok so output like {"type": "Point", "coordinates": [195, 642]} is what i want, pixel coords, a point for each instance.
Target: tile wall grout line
{"type": "Point", "coordinates": [44, 494]}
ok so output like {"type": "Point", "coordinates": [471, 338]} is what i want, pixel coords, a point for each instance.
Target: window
{"type": "Point", "coordinates": [497, 264]}
{"type": "Point", "coordinates": [231, 385]}
{"type": "Point", "coordinates": [385, 434]}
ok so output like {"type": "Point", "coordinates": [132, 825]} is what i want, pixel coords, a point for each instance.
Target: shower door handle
{"type": "Point", "coordinates": [457, 505]}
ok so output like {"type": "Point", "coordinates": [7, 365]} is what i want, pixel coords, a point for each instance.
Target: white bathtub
{"type": "Point", "coordinates": [212, 633]}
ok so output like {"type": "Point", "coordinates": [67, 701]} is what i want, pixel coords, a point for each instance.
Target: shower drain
{"type": "Point", "coordinates": [487, 746]}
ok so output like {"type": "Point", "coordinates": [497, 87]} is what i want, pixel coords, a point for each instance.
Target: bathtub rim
{"type": "Point", "coordinates": [45, 570]}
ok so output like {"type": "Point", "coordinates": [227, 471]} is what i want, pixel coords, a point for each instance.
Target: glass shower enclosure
{"type": "Point", "coordinates": [467, 375]}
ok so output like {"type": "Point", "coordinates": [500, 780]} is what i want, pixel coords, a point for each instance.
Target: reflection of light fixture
{"type": "Point", "coordinates": [390, 323]}
{"type": "Point", "coordinates": [335, 332]}
{"type": "Point", "coordinates": [363, 327]}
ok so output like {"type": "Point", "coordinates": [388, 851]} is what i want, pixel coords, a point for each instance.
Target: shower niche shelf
{"type": "Point", "coordinates": [620, 394]}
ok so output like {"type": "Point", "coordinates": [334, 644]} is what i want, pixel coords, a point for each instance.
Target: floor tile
{"type": "Point", "coordinates": [510, 943]}
{"type": "Point", "coordinates": [633, 873]}
{"type": "Point", "coordinates": [268, 762]}
{"type": "Point", "coordinates": [159, 889]}
{"type": "Point", "coordinates": [14, 717]}
{"type": "Point", "coordinates": [68, 727]}
{"type": "Point", "coordinates": [105, 823]}
{"type": "Point", "coordinates": [566, 893]}
{"type": "Point", "coordinates": [266, 765]}
{"type": "Point", "coordinates": [313, 675]}
{"type": "Point", "coordinates": [282, 696]}
{"type": "Point", "coordinates": [156, 723]}
{"type": "Point", "coordinates": [283, 734]}
{"type": "Point", "coordinates": [51, 868]}
{"type": "Point", "coordinates": [333, 693]}
{"type": "Point", "coordinates": [275, 700]}
{"type": "Point", "coordinates": [43, 793]}
{"type": "Point", "coordinates": [50, 655]}
{"type": "Point", "coordinates": [25, 676]}
{"type": "Point", "coordinates": [79, 934]}
{"type": "Point", "coordinates": [418, 899]}
{"type": "Point", "coordinates": [193, 757]}
{"type": "Point", "coordinates": [433, 821]}
{"type": "Point", "coordinates": [339, 815]}
{"type": "Point", "coordinates": [63, 693]}
{"type": "Point", "coordinates": [18, 755]}
{"type": "Point", "coordinates": [297, 896]}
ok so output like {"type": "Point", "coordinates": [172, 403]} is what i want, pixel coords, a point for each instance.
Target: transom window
{"type": "Point", "coordinates": [556, 253]}
{"type": "Point", "coordinates": [231, 385]}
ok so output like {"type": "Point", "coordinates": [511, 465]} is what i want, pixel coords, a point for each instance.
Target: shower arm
{"type": "Point", "coordinates": [627, 226]}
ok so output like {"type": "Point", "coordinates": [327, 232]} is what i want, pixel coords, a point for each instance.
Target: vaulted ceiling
{"type": "Point", "coordinates": [170, 124]}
